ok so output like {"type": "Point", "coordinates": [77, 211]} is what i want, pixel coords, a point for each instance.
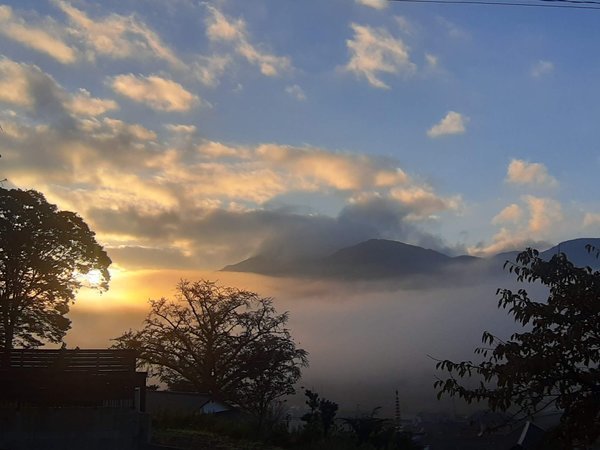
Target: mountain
{"type": "Point", "coordinates": [372, 259]}
{"type": "Point", "coordinates": [576, 252]}
{"type": "Point", "coordinates": [384, 259]}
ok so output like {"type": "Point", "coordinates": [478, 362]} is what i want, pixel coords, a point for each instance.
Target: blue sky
{"type": "Point", "coordinates": [197, 134]}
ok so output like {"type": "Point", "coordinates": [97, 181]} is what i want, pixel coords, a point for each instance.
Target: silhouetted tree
{"type": "Point", "coordinates": [224, 341]}
{"type": "Point", "coordinates": [367, 427]}
{"type": "Point", "coordinates": [554, 364]}
{"type": "Point", "coordinates": [320, 418]}
{"type": "Point", "coordinates": [44, 254]}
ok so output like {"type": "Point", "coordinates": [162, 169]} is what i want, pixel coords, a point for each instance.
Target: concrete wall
{"type": "Point", "coordinates": [73, 429]}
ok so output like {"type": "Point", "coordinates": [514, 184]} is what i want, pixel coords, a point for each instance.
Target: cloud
{"type": "Point", "coordinates": [424, 201]}
{"type": "Point", "coordinates": [544, 213]}
{"type": "Point", "coordinates": [591, 220]}
{"type": "Point", "coordinates": [36, 38]}
{"type": "Point", "coordinates": [116, 36]}
{"type": "Point", "coordinates": [180, 128]}
{"type": "Point", "coordinates": [213, 204]}
{"type": "Point", "coordinates": [511, 214]}
{"type": "Point", "coordinates": [296, 91]}
{"type": "Point", "coordinates": [544, 218]}
{"type": "Point", "coordinates": [209, 69]}
{"type": "Point", "coordinates": [198, 203]}
{"type": "Point", "coordinates": [374, 51]}
{"type": "Point", "coordinates": [526, 173]}
{"type": "Point", "coordinates": [84, 104]}
{"type": "Point", "coordinates": [452, 123]}
{"type": "Point", "coordinates": [453, 30]}
{"type": "Point", "coordinates": [432, 60]}
{"type": "Point", "coordinates": [337, 170]}
{"type": "Point", "coordinates": [541, 68]}
{"type": "Point", "coordinates": [376, 4]}
{"type": "Point", "coordinates": [233, 32]}
{"type": "Point", "coordinates": [158, 93]}
{"type": "Point", "coordinates": [404, 24]}
{"type": "Point", "coordinates": [27, 86]}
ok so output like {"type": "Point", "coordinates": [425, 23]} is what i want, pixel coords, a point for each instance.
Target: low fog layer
{"type": "Point", "coordinates": [365, 339]}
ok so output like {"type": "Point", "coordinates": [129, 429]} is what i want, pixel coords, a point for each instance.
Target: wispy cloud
{"type": "Point", "coordinates": [180, 128]}
{"type": "Point", "coordinates": [374, 51]}
{"type": "Point", "coordinates": [376, 4]}
{"type": "Point", "coordinates": [37, 38]}
{"type": "Point", "coordinates": [296, 91]}
{"type": "Point", "coordinates": [452, 123]}
{"type": "Point", "coordinates": [541, 68]}
{"type": "Point", "coordinates": [83, 103]}
{"type": "Point", "coordinates": [116, 36]}
{"type": "Point", "coordinates": [233, 31]}
{"type": "Point", "coordinates": [452, 29]}
{"type": "Point", "coordinates": [157, 92]}
{"type": "Point", "coordinates": [210, 69]}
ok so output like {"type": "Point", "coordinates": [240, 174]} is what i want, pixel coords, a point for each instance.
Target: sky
{"type": "Point", "coordinates": [190, 135]}
{"type": "Point", "coordinates": [196, 134]}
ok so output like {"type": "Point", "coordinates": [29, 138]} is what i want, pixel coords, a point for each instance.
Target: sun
{"type": "Point", "coordinates": [91, 279]}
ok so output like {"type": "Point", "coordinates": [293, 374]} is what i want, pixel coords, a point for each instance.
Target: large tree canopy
{"type": "Point", "coordinates": [554, 363]}
{"type": "Point", "coordinates": [44, 255]}
{"type": "Point", "coordinates": [225, 341]}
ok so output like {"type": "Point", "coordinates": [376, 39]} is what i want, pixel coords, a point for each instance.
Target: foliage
{"type": "Point", "coordinates": [320, 419]}
{"type": "Point", "coordinates": [44, 254]}
{"type": "Point", "coordinates": [554, 364]}
{"type": "Point", "coordinates": [379, 433]}
{"type": "Point", "coordinates": [366, 427]}
{"type": "Point", "coordinates": [228, 342]}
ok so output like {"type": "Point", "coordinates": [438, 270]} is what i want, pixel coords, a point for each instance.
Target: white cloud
{"type": "Point", "coordinates": [424, 201]}
{"type": "Point", "coordinates": [209, 69]}
{"type": "Point", "coordinates": [544, 213]}
{"type": "Point", "coordinates": [158, 93]}
{"type": "Point", "coordinates": [541, 68]}
{"type": "Point", "coordinates": [374, 51]}
{"type": "Point", "coordinates": [180, 128]}
{"type": "Point", "coordinates": [535, 174]}
{"type": "Point", "coordinates": [452, 123]}
{"type": "Point", "coordinates": [591, 220]}
{"type": "Point", "coordinates": [544, 218]}
{"type": "Point", "coordinates": [116, 36]}
{"type": "Point", "coordinates": [14, 83]}
{"type": "Point", "coordinates": [377, 4]}
{"type": "Point", "coordinates": [511, 214]}
{"type": "Point", "coordinates": [35, 38]}
{"type": "Point", "coordinates": [27, 86]}
{"type": "Point", "coordinates": [224, 29]}
{"type": "Point", "coordinates": [84, 104]}
{"type": "Point", "coordinates": [296, 91]}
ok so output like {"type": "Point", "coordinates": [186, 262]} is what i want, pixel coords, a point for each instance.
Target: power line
{"type": "Point", "coordinates": [560, 4]}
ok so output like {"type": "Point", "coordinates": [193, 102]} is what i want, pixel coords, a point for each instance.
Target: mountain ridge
{"type": "Point", "coordinates": [384, 259]}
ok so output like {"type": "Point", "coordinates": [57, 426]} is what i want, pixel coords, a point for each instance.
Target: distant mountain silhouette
{"type": "Point", "coordinates": [384, 259]}
{"type": "Point", "coordinates": [576, 252]}
{"type": "Point", "coordinates": [375, 258]}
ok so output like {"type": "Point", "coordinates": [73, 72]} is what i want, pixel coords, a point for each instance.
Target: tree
{"type": "Point", "coordinates": [554, 363]}
{"type": "Point", "coordinates": [228, 342]}
{"type": "Point", "coordinates": [44, 255]}
{"type": "Point", "coordinates": [320, 419]}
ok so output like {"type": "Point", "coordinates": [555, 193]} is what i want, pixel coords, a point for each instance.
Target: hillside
{"type": "Point", "coordinates": [381, 258]}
